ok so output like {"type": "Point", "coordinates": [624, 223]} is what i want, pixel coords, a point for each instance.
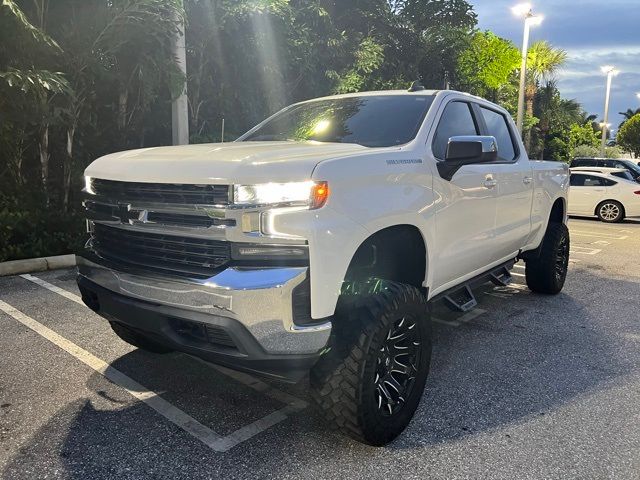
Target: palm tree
{"type": "Point", "coordinates": [543, 62]}
{"type": "Point", "coordinates": [628, 115]}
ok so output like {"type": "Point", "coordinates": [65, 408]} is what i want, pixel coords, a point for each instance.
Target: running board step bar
{"type": "Point", "coordinates": [501, 277]}
{"type": "Point", "coordinates": [461, 297]}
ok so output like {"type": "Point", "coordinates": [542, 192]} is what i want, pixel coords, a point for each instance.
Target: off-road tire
{"type": "Point", "coordinates": [548, 272]}
{"type": "Point", "coordinates": [138, 339]}
{"type": "Point", "coordinates": [610, 211]}
{"type": "Point", "coordinates": [344, 380]}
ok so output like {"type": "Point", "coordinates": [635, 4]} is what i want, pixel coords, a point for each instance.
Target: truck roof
{"type": "Point", "coordinates": [391, 92]}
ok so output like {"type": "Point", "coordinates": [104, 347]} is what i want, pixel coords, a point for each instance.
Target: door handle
{"type": "Point", "coordinates": [490, 183]}
{"type": "Point", "coordinates": [527, 180]}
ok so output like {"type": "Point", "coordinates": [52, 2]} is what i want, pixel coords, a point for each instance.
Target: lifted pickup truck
{"type": "Point", "coordinates": [316, 242]}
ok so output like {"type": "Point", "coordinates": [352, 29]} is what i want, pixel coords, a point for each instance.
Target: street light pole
{"type": "Point", "coordinates": [610, 71]}
{"type": "Point", "coordinates": [180, 106]}
{"type": "Point", "coordinates": [530, 19]}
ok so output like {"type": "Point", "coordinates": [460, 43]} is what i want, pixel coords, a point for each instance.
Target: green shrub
{"type": "Point", "coordinates": [38, 232]}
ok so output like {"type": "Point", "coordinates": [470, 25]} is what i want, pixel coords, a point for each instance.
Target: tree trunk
{"type": "Point", "coordinates": [44, 159]}
{"type": "Point", "coordinates": [68, 167]}
{"type": "Point", "coordinates": [529, 109]}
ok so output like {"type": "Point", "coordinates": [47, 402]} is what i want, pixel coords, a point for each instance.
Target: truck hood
{"type": "Point", "coordinates": [222, 163]}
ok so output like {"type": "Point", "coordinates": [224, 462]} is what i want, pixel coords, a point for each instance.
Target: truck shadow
{"type": "Point", "coordinates": [528, 356]}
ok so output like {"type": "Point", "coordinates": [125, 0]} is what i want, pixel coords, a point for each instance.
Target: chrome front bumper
{"type": "Point", "coordinates": [259, 299]}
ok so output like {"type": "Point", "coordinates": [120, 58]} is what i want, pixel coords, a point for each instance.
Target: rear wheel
{"type": "Point", "coordinates": [371, 381]}
{"type": "Point", "coordinates": [610, 211]}
{"type": "Point", "coordinates": [548, 272]}
{"type": "Point", "coordinates": [138, 339]}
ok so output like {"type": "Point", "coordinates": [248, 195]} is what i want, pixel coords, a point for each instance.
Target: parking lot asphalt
{"type": "Point", "coordinates": [525, 386]}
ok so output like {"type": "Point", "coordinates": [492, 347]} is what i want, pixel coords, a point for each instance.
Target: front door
{"type": "Point", "coordinates": [466, 205]}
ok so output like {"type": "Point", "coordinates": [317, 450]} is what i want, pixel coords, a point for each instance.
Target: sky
{"type": "Point", "coordinates": [594, 33]}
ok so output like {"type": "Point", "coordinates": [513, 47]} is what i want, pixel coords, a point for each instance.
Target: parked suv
{"type": "Point", "coordinates": [316, 241]}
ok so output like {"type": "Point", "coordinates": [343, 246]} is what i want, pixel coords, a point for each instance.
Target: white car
{"type": "Point", "coordinates": [316, 240]}
{"type": "Point", "coordinates": [608, 197]}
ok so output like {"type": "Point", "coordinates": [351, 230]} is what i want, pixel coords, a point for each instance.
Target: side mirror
{"type": "Point", "coordinates": [472, 149]}
{"type": "Point", "coordinates": [467, 150]}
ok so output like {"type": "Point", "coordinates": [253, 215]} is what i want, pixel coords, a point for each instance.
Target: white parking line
{"type": "Point", "coordinates": [584, 250]}
{"type": "Point", "coordinates": [159, 404]}
{"type": "Point", "coordinates": [209, 437]}
{"type": "Point", "coordinates": [608, 236]}
{"type": "Point", "coordinates": [53, 288]}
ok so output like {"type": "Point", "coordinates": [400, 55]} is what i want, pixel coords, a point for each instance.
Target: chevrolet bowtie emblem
{"type": "Point", "coordinates": [132, 216]}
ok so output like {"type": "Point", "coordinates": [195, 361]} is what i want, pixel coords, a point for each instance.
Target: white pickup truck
{"type": "Point", "coordinates": [317, 241]}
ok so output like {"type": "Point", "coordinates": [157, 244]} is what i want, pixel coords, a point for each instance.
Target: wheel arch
{"type": "Point", "coordinates": [558, 213]}
{"type": "Point", "coordinates": [391, 253]}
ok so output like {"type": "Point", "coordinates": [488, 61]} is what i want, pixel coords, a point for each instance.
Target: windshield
{"type": "Point", "coordinates": [371, 121]}
{"type": "Point", "coordinates": [632, 166]}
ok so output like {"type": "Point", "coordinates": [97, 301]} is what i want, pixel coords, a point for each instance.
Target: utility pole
{"type": "Point", "coordinates": [180, 106]}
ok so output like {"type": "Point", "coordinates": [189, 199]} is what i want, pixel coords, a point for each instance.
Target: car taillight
{"type": "Point", "coordinates": [637, 193]}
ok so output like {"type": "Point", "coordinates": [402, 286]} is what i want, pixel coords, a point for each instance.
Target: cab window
{"type": "Point", "coordinates": [456, 120]}
{"type": "Point", "coordinates": [498, 127]}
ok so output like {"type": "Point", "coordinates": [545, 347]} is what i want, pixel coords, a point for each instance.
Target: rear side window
{"type": "Point", "coordinates": [455, 121]}
{"type": "Point", "coordinates": [578, 180]}
{"type": "Point", "coordinates": [498, 127]}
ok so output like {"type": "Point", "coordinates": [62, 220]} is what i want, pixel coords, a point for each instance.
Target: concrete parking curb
{"type": "Point", "coordinates": [30, 265]}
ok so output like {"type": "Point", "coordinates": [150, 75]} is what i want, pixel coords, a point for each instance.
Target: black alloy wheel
{"type": "Point", "coordinates": [396, 366]}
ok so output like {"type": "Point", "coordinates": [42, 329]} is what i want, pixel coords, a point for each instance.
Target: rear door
{"type": "Point", "coordinates": [585, 193]}
{"type": "Point", "coordinates": [515, 184]}
{"type": "Point", "coordinates": [466, 205]}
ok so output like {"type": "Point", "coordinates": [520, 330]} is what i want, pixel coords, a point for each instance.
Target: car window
{"type": "Point", "coordinates": [578, 180]}
{"type": "Point", "coordinates": [455, 121]}
{"type": "Point", "coordinates": [609, 163]}
{"type": "Point", "coordinates": [583, 162]}
{"type": "Point", "coordinates": [632, 167]}
{"type": "Point", "coordinates": [626, 175]}
{"type": "Point", "coordinates": [608, 183]}
{"type": "Point", "coordinates": [498, 127]}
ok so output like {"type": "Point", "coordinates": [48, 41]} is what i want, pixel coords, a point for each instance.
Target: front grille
{"type": "Point", "coordinates": [162, 192]}
{"type": "Point", "coordinates": [169, 253]}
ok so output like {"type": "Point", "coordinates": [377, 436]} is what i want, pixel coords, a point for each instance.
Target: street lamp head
{"type": "Point", "coordinates": [534, 20]}
{"type": "Point", "coordinates": [607, 69]}
{"type": "Point", "coordinates": [638, 95]}
{"type": "Point", "coordinates": [522, 9]}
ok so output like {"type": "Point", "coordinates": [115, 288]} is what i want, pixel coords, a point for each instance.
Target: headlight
{"type": "Point", "coordinates": [312, 194]}
{"type": "Point", "coordinates": [88, 185]}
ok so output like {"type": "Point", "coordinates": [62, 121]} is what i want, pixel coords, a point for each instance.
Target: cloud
{"type": "Point", "coordinates": [594, 33]}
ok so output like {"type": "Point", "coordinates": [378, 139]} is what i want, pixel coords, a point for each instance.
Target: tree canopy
{"type": "Point", "coordinates": [81, 78]}
{"type": "Point", "coordinates": [629, 136]}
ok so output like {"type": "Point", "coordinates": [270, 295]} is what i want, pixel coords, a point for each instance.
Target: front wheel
{"type": "Point", "coordinates": [610, 211]}
{"type": "Point", "coordinates": [371, 381]}
{"type": "Point", "coordinates": [548, 272]}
